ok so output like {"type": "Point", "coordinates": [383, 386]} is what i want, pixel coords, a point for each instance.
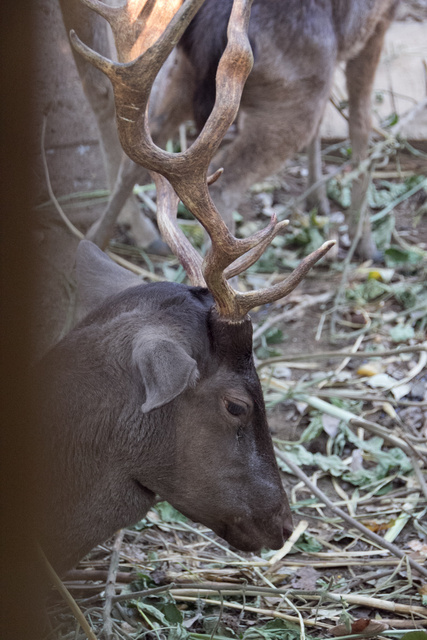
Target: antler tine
{"type": "Point", "coordinates": [248, 259]}
{"type": "Point", "coordinates": [136, 24]}
{"type": "Point", "coordinates": [103, 64]}
{"type": "Point", "coordinates": [244, 302]}
{"type": "Point", "coordinates": [104, 10]}
{"type": "Point", "coordinates": [132, 84]}
{"type": "Point", "coordinates": [167, 206]}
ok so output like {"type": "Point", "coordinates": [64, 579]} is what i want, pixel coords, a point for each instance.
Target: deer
{"type": "Point", "coordinates": [154, 393]}
{"type": "Point", "coordinates": [297, 46]}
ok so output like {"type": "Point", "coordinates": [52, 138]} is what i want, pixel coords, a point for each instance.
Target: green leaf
{"type": "Point", "coordinates": [402, 333]}
{"type": "Point", "coordinates": [396, 257]}
{"type": "Point", "coordinates": [297, 454]}
{"type": "Point", "coordinates": [387, 192]}
{"type": "Point", "coordinates": [415, 635]}
{"type": "Point", "coordinates": [390, 121]}
{"type": "Point", "coordinates": [171, 612]}
{"type": "Point", "coordinates": [178, 633]}
{"type": "Point", "coordinates": [314, 429]}
{"type": "Point", "coordinates": [333, 464]}
{"type": "Point", "coordinates": [151, 614]}
{"type": "Point", "coordinates": [210, 624]}
{"type": "Point", "coordinates": [339, 192]}
{"type": "Point", "coordinates": [274, 335]}
{"type": "Point", "coordinates": [411, 294]}
{"type": "Point", "coordinates": [266, 263]}
{"type": "Point", "coordinates": [373, 289]}
{"type": "Point", "coordinates": [307, 543]}
{"type": "Point", "coordinates": [300, 456]}
{"type": "Point", "coordinates": [382, 231]}
{"type": "Point", "coordinates": [162, 616]}
{"type": "Point", "coordinates": [316, 239]}
{"type": "Point", "coordinates": [168, 513]}
{"type": "Point", "coordinates": [388, 461]}
{"type": "Point", "coordinates": [143, 581]}
{"type": "Point", "coordinates": [368, 291]}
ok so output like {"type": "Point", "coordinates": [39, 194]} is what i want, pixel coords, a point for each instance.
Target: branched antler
{"type": "Point", "coordinates": [185, 175]}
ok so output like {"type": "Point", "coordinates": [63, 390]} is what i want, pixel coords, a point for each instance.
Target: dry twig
{"type": "Point", "coordinates": [351, 521]}
{"type": "Point", "coordinates": [110, 589]}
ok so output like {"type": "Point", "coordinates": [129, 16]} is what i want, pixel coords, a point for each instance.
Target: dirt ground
{"type": "Point", "coordinates": [191, 566]}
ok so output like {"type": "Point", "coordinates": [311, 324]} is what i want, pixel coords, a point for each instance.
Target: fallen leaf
{"type": "Point", "coordinates": [389, 410]}
{"type": "Point", "coordinates": [282, 372]}
{"type": "Point", "coordinates": [359, 625]}
{"type": "Point", "coordinates": [369, 369]}
{"type": "Point", "coordinates": [301, 407]}
{"type": "Point", "coordinates": [356, 460]}
{"type": "Point", "coordinates": [384, 275]}
{"type": "Point", "coordinates": [377, 527]}
{"type": "Point", "coordinates": [305, 578]}
{"type": "Point", "coordinates": [419, 547]}
{"type": "Point", "coordinates": [330, 425]}
{"type": "Point", "coordinates": [402, 333]}
{"type": "Point", "coordinates": [364, 626]}
{"type": "Point", "coordinates": [401, 390]}
{"type": "Point", "coordinates": [381, 381]}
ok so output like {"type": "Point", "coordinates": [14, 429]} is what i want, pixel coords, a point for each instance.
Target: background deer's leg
{"type": "Point", "coordinates": [170, 105]}
{"type": "Point", "coordinates": [360, 73]}
{"type": "Point", "coordinates": [94, 30]}
{"type": "Point", "coordinates": [275, 123]}
{"type": "Point", "coordinates": [317, 197]}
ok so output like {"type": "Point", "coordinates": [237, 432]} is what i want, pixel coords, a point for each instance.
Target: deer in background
{"type": "Point", "coordinates": [155, 391]}
{"type": "Point", "coordinates": [297, 45]}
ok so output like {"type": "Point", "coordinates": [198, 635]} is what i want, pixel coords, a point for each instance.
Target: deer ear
{"type": "Point", "coordinates": [166, 370]}
{"type": "Point", "coordinates": [98, 277]}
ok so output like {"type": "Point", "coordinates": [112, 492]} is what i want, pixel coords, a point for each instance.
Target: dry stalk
{"type": "Point", "coordinates": [261, 612]}
{"type": "Point", "coordinates": [378, 603]}
{"type": "Point", "coordinates": [419, 474]}
{"type": "Point", "coordinates": [398, 623]}
{"type": "Point", "coordinates": [52, 196]}
{"type": "Point", "coordinates": [351, 521]}
{"type": "Point", "coordinates": [349, 598]}
{"type": "Point", "coordinates": [328, 355]}
{"type": "Point", "coordinates": [110, 588]}
{"type": "Point", "coordinates": [78, 614]}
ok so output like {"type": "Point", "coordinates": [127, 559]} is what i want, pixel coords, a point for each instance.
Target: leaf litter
{"type": "Point", "coordinates": [343, 368]}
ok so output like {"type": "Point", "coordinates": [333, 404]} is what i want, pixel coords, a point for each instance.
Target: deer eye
{"type": "Point", "coordinates": [235, 408]}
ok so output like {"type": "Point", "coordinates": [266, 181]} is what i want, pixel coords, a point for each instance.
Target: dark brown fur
{"type": "Point", "coordinates": [297, 45]}
{"type": "Point", "coordinates": [134, 407]}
